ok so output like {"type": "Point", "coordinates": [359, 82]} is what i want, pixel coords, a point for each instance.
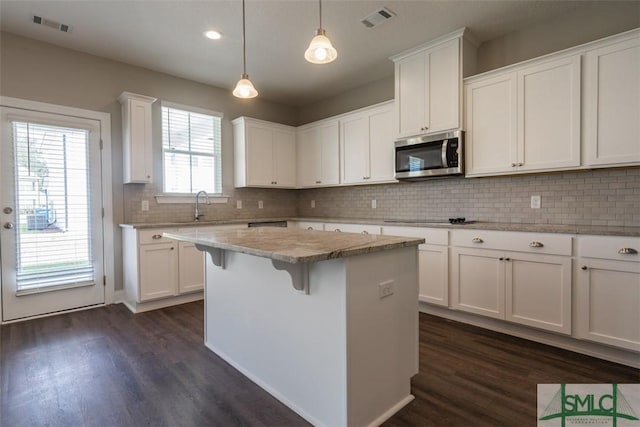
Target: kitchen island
{"type": "Point", "coordinates": [325, 322]}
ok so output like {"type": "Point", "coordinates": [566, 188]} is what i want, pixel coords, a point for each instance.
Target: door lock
{"type": "Point", "coordinates": [7, 210]}
{"type": "Point", "coordinates": [8, 225]}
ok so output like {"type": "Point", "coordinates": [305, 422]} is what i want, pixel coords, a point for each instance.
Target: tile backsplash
{"type": "Point", "coordinates": [594, 197]}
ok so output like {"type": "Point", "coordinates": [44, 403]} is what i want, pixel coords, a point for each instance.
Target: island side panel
{"type": "Point", "coordinates": [382, 333]}
{"type": "Point", "coordinates": [291, 344]}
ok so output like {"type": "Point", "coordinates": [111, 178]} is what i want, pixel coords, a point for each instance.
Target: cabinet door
{"type": "Point", "coordinates": [491, 125]}
{"type": "Point", "coordinates": [259, 152]}
{"type": "Point", "coordinates": [309, 157]}
{"type": "Point", "coordinates": [477, 282]}
{"type": "Point", "coordinates": [284, 158]}
{"type": "Point", "coordinates": [611, 102]}
{"type": "Point", "coordinates": [411, 94]}
{"type": "Point", "coordinates": [443, 95]}
{"type": "Point", "coordinates": [354, 140]}
{"type": "Point", "coordinates": [137, 141]}
{"type": "Point", "coordinates": [609, 302]}
{"type": "Point", "coordinates": [433, 271]}
{"type": "Point", "coordinates": [381, 148]}
{"type": "Point", "coordinates": [190, 268]}
{"type": "Point", "coordinates": [158, 271]}
{"type": "Point", "coordinates": [329, 137]}
{"type": "Point", "coordinates": [538, 291]}
{"type": "Point", "coordinates": [549, 115]}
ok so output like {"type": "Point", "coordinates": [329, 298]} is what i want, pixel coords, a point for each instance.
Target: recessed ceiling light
{"type": "Point", "coordinates": [213, 35]}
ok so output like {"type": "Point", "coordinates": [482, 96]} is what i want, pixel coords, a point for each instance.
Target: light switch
{"type": "Point", "coordinates": [144, 205]}
{"type": "Point", "coordinates": [535, 202]}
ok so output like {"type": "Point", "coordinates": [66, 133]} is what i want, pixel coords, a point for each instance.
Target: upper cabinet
{"type": "Point", "coordinates": [318, 154]}
{"type": "Point", "coordinates": [366, 145]}
{"type": "Point", "coordinates": [611, 103]}
{"type": "Point", "coordinates": [574, 109]}
{"type": "Point", "coordinates": [136, 138]}
{"type": "Point", "coordinates": [428, 81]}
{"type": "Point", "coordinates": [265, 154]}
{"type": "Point", "coordinates": [525, 119]}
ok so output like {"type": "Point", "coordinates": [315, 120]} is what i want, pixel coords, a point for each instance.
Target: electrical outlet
{"type": "Point", "coordinates": [144, 205]}
{"type": "Point", "coordinates": [385, 289]}
{"type": "Point", "coordinates": [535, 202]}
{"type": "Point", "coordinates": [260, 204]}
{"type": "Point", "coordinates": [374, 204]}
{"type": "Point", "coordinates": [313, 204]}
{"type": "Point", "coordinates": [238, 204]}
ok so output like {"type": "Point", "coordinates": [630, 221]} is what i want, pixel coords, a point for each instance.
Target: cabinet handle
{"type": "Point", "coordinates": [156, 236]}
{"type": "Point", "coordinates": [337, 230]}
{"type": "Point", "coordinates": [172, 248]}
{"type": "Point", "coordinates": [507, 259]}
{"type": "Point", "coordinates": [535, 244]}
{"type": "Point", "coordinates": [309, 228]}
{"type": "Point", "coordinates": [477, 240]}
{"type": "Point", "coordinates": [318, 182]}
{"type": "Point", "coordinates": [365, 232]}
{"type": "Point", "coordinates": [584, 267]}
{"type": "Point", "coordinates": [513, 165]}
{"type": "Point", "coordinates": [501, 259]}
{"type": "Point", "coordinates": [627, 251]}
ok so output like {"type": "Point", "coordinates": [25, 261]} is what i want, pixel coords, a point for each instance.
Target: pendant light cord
{"type": "Point", "coordinates": [244, 44]}
{"type": "Point", "coordinates": [319, 12]}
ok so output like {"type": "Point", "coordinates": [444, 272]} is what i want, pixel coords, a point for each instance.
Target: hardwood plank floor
{"type": "Point", "coordinates": [108, 367]}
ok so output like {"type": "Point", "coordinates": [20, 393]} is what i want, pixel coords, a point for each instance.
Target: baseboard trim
{"type": "Point", "coordinates": [141, 307]}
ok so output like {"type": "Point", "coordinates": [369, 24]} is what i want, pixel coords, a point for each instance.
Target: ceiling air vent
{"type": "Point", "coordinates": [51, 24]}
{"type": "Point", "coordinates": [377, 17]}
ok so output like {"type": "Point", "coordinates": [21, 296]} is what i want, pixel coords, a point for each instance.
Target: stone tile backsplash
{"type": "Point", "coordinates": [597, 197]}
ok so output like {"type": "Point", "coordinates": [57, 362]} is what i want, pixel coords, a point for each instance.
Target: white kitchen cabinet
{"type": "Point", "coordinates": [608, 294]}
{"type": "Point", "coordinates": [352, 228]}
{"type": "Point", "coordinates": [318, 154]}
{"type": "Point", "coordinates": [366, 146]}
{"type": "Point", "coordinates": [520, 277]}
{"type": "Point", "coordinates": [427, 89]}
{"type": "Point", "coordinates": [265, 154]}
{"type": "Point", "coordinates": [611, 102]}
{"type": "Point", "coordinates": [137, 138]}
{"type": "Point", "coordinates": [524, 119]}
{"type": "Point", "coordinates": [159, 272]}
{"type": "Point", "coordinates": [433, 262]}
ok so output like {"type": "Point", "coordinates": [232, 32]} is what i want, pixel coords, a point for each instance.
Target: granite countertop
{"type": "Point", "coordinates": [601, 230]}
{"type": "Point", "coordinates": [294, 245]}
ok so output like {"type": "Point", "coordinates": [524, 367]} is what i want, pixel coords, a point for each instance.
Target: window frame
{"type": "Point", "coordinates": [172, 197]}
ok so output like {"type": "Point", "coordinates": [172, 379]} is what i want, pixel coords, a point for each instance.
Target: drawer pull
{"type": "Point", "coordinates": [309, 228]}
{"type": "Point", "coordinates": [337, 230]}
{"type": "Point", "coordinates": [535, 244]}
{"type": "Point", "coordinates": [365, 232]}
{"type": "Point", "coordinates": [627, 251]}
{"type": "Point", "coordinates": [477, 240]}
{"type": "Point", "coordinates": [156, 236]}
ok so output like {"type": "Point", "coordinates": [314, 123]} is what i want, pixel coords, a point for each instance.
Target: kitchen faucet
{"type": "Point", "coordinates": [198, 214]}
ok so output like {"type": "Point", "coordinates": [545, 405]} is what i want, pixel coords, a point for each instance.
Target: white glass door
{"type": "Point", "coordinates": [51, 215]}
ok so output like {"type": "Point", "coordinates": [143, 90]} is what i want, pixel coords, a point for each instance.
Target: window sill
{"type": "Point", "coordinates": [162, 199]}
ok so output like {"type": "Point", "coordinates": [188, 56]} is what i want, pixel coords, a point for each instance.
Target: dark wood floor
{"type": "Point", "coordinates": [108, 367]}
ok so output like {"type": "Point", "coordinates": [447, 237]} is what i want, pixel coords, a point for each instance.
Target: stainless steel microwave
{"type": "Point", "coordinates": [430, 156]}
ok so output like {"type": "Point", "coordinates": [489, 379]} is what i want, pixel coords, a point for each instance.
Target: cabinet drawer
{"type": "Point", "coordinates": [433, 236]}
{"type": "Point", "coordinates": [558, 244]}
{"type": "Point", "coordinates": [610, 247]}
{"type": "Point", "coordinates": [352, 228]}
{"type": "Point", "coordinates": [153, 236]}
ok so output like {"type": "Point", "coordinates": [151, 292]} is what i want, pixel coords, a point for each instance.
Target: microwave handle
{"type": "Point", "coordinates": [445, 145]}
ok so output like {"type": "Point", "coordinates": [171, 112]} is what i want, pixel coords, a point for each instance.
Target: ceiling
{"type": "Point", "coordinates": [167, 36]}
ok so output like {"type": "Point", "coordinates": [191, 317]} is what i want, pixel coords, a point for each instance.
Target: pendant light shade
{"type": "Point", "coordinates": [244, 88]}
{"type": "Point", "coordinates": [320, 50]}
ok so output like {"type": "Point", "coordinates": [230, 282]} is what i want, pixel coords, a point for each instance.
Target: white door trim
{"type": "Point", "coordinates": [105, 136]}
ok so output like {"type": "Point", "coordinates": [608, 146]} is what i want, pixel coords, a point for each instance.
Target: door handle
{"type": "Point", "coordinates": [8, 225]}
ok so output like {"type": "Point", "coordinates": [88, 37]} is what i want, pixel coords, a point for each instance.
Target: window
{"type": "Point", "coordinates": [191, 150]}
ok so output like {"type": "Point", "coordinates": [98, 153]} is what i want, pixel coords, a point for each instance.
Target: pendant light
{"type": "Point", "coordinates": [244, 88]}
{"type": "Point", "coordinates": [320, 50]}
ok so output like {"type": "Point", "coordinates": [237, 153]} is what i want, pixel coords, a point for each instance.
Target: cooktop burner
{"type": "Point", "coordinates": [457, 220]}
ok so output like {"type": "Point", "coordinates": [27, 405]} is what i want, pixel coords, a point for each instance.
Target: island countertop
{"type": "Point", "coordinates": [293, 245]}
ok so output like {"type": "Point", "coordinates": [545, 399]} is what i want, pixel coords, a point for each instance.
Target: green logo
{"type": "Point", "coordinates": [588, 407]}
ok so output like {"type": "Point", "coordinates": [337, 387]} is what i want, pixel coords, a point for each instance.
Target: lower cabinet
{"type": "Point", "coordinates": [159, 272]}
{"type": "Point", "coordinates": [532, 288]}
{"type": "Point", "coordinates": [608, 291]}
{"type": "Point", "coordinates": [352, 228]}
{"type": "Point", "coordinates": [433, 262]}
